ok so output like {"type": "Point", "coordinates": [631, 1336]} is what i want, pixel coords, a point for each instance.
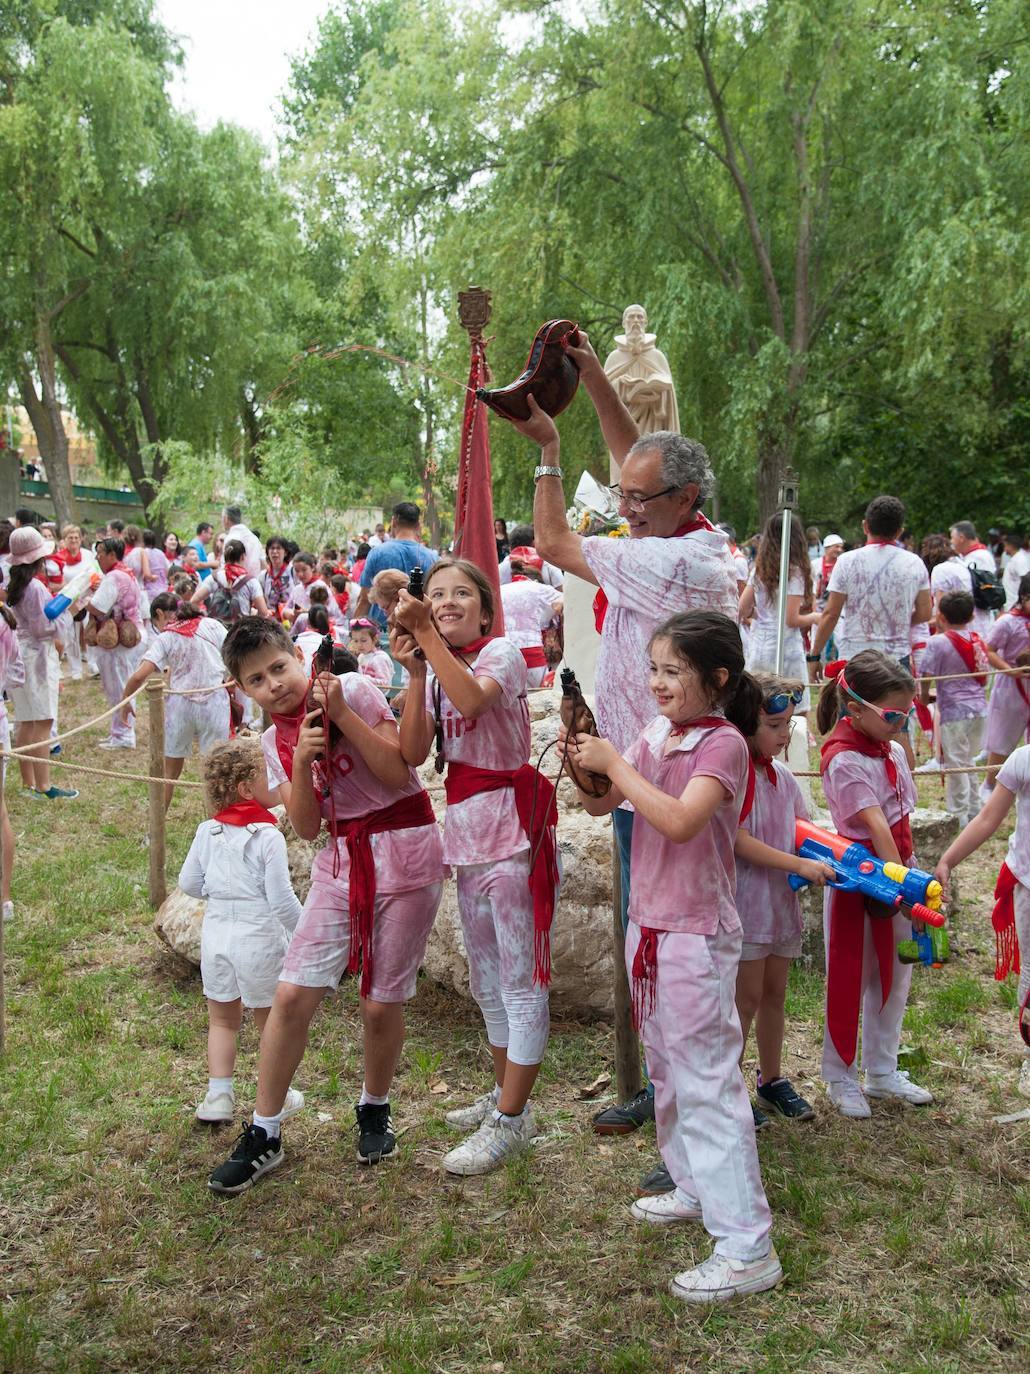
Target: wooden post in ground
{"type": "Point", "coordinates": [628, 1081]}
{"type": "Point", "coordinates": [155, 690]}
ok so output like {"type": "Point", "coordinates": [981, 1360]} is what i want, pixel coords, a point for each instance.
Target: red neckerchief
{"type": "Point", "coordinates": [342, 600]}
{"type": "Point", "coordinates": [825, 571]}
{"type": "Point", "coordinates": [120, 567]}
{"type": "Point", "coordinates": [406, 813]}
{"type": "Point", "coordinates": [764, 762]}
{"type": "Point", "coordinates": [972, 549]}
{"type": "Point", "coordinates": [245, 813]}
{"type": "Point", "coordinates": [844, 952]}
{"type": "Point", "coordinates": [644, 971]}
{"type": "Point", "coordinates": [277, 577]}
{"type": "Point", "coordinates": [846, 739]}
{"type": "Point", "coordinates": [66, 560]}
{"type": "Point", "coordinates": [697, 521]}
{"type": "Point", "coordinates": [233, 572]}
{"type": "Point", "coordinates": [520, 577]}
{"type": "Point", "coordinates": [536, 804]}
{"type": "Point", "coordinates": [971, 652]}
{"type": "Point", "coordinates": [1003, 919]}
{"type": "Point", "coordinates": [287, 732]}
{"type": "Point", "coordinates": [473, 648]}
{"type": "Point", "coordinates": [187, 628]}
{"type": "Point", "coordinates": [534, 656]}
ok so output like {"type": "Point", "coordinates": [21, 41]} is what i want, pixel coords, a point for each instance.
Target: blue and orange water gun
{"type": "Point", "coordinates": [911, 890]}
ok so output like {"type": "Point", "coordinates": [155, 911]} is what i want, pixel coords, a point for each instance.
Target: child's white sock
{"type": "Point", "coordinates": [220, 1085]}
{"type": "Point", "coordinates": [269, 1124]}
{"type": "Point", "coordinates": [368, 1099]}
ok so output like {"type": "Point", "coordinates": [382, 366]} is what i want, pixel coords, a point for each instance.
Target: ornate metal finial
{"type": "Point", "coordinates": [474, 310]}
{"type": "Point", "coordinates": [788, 494]}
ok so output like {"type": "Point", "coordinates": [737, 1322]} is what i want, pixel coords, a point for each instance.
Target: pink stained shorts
{"type": "Point", "coordinates": [320, 947]}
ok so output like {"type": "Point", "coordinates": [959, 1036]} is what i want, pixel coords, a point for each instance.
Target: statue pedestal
{"type": "Point", "coordinates": [582, 642]}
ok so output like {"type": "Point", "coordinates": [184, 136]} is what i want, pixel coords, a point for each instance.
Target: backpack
{"type": "Point", "coordinates": [223, 604]}
{"type": "Point", "coordinates": [988, 592]}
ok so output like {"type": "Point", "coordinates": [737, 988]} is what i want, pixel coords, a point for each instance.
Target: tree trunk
{"type": "Point", "coordinates": [773, 457]}
{"type": "Point", "coordinates": [44, 411]}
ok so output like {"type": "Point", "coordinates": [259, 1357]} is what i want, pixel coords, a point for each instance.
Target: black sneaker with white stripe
{"type": "Point", "coordinates": [376, 1140]}
{"type": "Point", "coordinates": [253, 1155]}
{"type": "Point", "coordinates": [780, 1096]}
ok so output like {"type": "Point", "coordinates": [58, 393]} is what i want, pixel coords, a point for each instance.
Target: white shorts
{"type": "Point", "coordinates": [35, 700]}
{"type": "Point", "coordinates": [241, 958]}
{"type": "Point", "coordinates": [204, 719]}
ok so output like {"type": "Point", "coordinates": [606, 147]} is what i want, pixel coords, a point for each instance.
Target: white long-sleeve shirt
{"type": "Point", "coordinates": [243, 871]}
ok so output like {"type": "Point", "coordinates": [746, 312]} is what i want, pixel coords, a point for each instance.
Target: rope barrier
{"type": "Point", "coordinates": [97, 772]}
{"type": "Point", "coordinates": [942, 677]}
{"type": "Point", "coordinates": [937, 773]}
{"type": "Point", "coordinates": [67, 734]}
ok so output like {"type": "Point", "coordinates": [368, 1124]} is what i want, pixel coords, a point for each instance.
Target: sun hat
{"type": "Point", "coordinates": [831, 539]}
{"type": "Point", "coordinates": [27, 545]}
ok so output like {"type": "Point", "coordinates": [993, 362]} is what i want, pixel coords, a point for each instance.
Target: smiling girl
{"type": "Point", "coordinates": [870, 793]}
{"type": "Point", "coordinates": [770, 911]}
{"type": "Point", "coordinates": [690, 779]}
{"type": "Point", "coordinates": [472, 700]}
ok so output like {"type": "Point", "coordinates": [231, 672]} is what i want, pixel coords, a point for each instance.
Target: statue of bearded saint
{"type": "Point", "coordinates": [641, 375]}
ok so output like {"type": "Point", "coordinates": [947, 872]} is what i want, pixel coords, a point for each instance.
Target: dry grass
{"type": "Point", "coordinates": [904, 1239]}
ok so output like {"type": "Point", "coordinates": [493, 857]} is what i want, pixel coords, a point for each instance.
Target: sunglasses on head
{"type": "Point", "coordinates": [779, 701]}
{"type": "Point", "coordinates": [888, 716]}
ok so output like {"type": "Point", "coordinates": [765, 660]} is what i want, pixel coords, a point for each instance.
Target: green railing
{"type": "Point", "coordinates": [109, 496]}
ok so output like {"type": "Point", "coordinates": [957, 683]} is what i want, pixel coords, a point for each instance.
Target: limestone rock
{"type": "Point", "coordinates": [178, 923]}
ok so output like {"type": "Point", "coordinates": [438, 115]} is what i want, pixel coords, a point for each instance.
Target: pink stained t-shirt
{"type": "Point", "coordinates": [646, 581]}
{"type": "Point", "coordinates": [770, 912]}
{"type": "Point", "coordinates": [688, 888]}
{"type": "Point", "coordinates": [1015, 775]}
{"type": "Point", "coordinates": [853, 783]}
{"type": "Point", "coordinates": [378, 665]}
{"type": "Point", "coordinates": [486, 827]}
{"type": "Point", "coordinates": [528, 610]}
{"type": "Point", "coordinates": [961, 699]}
{"type": "Point", "coordinates": [404, 859]}
{"type": "Point", "coordinates": [881, 583]}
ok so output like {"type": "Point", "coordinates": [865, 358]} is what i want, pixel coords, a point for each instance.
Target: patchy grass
{"type": "Point", "coordinates": [903, 1239]}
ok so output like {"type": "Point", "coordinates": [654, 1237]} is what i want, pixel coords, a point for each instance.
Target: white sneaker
{"type": "Point", "coordinates": [981, 757]}
{"type": "Point", "coordinates": [899, 1085]}
{"type": "Point", "coordinates": [292, 1104]}
{"type": "Point", "coordinates": [719, 1278]}
{"type": "Point", "coordinates": [491, 1145]}
{"type": "Point", "coordinates": [849, 1099]}
{"type": "Point", "coordinates": [8, 912]}
{"type": "Point", "coordinates": [217, 1107]}
{"type": "Point", "coordinates": [468, 1118]}
{"type": "Point", "coordinates": [1023, 1086]}
{"type": "Point", "coordinates": [666, 1209]}
{"type": "Point", "coordinates": [115, 744]}
{"type": "Point", "coordinates": [930, 766]}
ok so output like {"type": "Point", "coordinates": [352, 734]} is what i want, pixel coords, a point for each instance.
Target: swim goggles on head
{"type": "Point", "coordinates": [779, 701]}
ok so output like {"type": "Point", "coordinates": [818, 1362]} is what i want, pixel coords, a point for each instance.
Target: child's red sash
{"type": "Point", "coordinates": [245, 813]}
{"type": "Point", "coordinates": [406, 813]}
{"type": "Point", "coordinates": [536, 804]}
{"type": "Point", "coordinates": [970, 651]}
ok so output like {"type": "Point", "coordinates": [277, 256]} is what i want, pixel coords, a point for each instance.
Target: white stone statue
{"type": "Point", "coordinates": [641, 375]}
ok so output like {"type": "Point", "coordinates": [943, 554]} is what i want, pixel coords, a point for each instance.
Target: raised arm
{"type": "Point", "coordinates": [554, 540]}
{"type": "Point", "coordinates": [618, 427]}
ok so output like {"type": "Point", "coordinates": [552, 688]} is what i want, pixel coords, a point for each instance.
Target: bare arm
{"type": "Point", "coordinates": [259, 606]}
{"type": "Point", "coordinates": [139, 677]}
{"type": "Point", "coordinates": [416, 722]}
{"type": "Point", "coordinates": [746, 609]}
{"type": "Point", "coordinates": [362, 608]}
{"type": "Point", "coordinates": [977, 832]}
{"type": "Point", "coordinates": [923, 608]}
{"type": "Point", "coordinates": [618, 428]}
{"type": "Point", "coordinates": [828, 620]}
{"type": "Point", "coordinates": [203, 587]}
{"type": "Point", "coordinates": [379, 746]}
{"type": "Point", "coordinates": [753, 851]}
{"type": "Point", "coordinates": [880, 832]}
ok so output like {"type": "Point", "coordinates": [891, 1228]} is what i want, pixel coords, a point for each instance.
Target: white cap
{"type": "Point", "coordinates": [832, 539]}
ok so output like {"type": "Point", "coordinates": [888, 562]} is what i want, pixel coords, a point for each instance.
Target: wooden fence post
{"type": "Point", "coordinates": [156, 714]}
{"type": "Point", "coordinates": [627, 1050]}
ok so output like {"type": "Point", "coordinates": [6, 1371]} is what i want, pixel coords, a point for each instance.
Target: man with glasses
{"type": "Point", "coordinates": [673, 561]}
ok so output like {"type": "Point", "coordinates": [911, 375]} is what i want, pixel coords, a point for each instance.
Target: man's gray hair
{"type": "Point", "coordinates": [684, 461]}
{"type": "Point", "coordinates": [965, 528]}
{"type": "Point", "coordinates": [233, 514]}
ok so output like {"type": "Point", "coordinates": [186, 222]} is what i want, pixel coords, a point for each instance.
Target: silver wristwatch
{"type": "Point", "coordinates": [546, 472]}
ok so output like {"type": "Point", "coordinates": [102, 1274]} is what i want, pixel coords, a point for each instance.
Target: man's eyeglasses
{"type": "Point", "coordinates": [888, 716]}
{"type": "Point", "coordinates": [635, 504]}
{"type": "Point", "coordinates": [778, 703]}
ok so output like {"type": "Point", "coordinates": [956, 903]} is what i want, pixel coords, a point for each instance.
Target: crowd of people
{"type": "Point", "coordinates": [362, 681]}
